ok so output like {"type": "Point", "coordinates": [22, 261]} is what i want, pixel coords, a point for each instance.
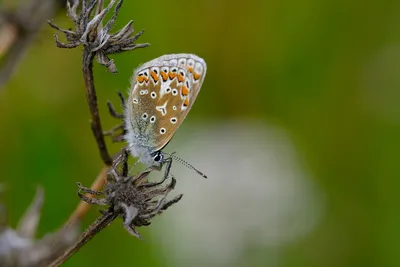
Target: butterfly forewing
{"type": "Point", "coordinates": [163, 92]}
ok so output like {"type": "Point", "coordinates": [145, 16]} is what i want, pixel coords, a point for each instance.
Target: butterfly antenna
{"type": "Point", "coordinates": [187, 165]}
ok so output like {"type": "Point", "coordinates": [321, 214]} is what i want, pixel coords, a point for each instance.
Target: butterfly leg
{"type": "Point", "coordinates": [166, 174]}
{"type": "Point", "coordinates": [112, 110]}
{"type": "Point", "coordinates": [117, 133]}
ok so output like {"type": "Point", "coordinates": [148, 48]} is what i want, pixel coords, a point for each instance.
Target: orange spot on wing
{"type": "Point", "coordinates": [190, 69]}
{"type": "Point", "coordinates": [186, 103]}
{"type": "Point", "coordinates": [140, 79]}
{"type": "Point", "coordinates": [172, 75]}
{"type": "Point", "coordinates": [185, 91]}
{"type": "Point", "coordinates": [196, 76]}
{"type": "Point", "coordinates": [164, 76]}
{"type": "Point", "coordinates": [180, 78]}
{"type": "Point", "coordinates": [154, 76]}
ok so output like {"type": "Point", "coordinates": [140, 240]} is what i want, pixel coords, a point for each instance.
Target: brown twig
{"type": "Point", "coordinates": [92, 230]}
{"type": "Point", "coordinates": [91, 99]}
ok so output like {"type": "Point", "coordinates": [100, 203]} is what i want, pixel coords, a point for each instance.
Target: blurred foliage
{"type": "Point", "coordinates": [324, 70]}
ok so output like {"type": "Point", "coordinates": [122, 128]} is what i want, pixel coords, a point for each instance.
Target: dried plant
{"type": "Point", "coordinates": [19, 248]}
{"type": "Point", "coordinates": [133, 198]}
{"type": "Point", "coordinates": [97, 42]}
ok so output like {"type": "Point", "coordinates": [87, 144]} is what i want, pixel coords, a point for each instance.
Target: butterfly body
{"type": "Point", "coordinates": [162, 93]}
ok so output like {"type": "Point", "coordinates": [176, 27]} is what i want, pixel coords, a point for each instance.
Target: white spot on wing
{"type": "Point", "coordinates": [183, 107]}
{"type": "Point", "coordinates": [164, 86]}
{"type": "Point", "coordinates": [163, 108]}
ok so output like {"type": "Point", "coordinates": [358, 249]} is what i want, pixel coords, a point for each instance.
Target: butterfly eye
{"type": "Point", "coordinates": [158, 157]}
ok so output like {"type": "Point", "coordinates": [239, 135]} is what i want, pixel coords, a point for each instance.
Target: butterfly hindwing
{"type": "Point", "coordinates": [162, 93]}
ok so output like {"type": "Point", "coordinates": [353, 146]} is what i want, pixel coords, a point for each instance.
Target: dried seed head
{"type": "Point", "coordinates": [134, 199]}
{"type": "Point", "coordinates": [90, 32]}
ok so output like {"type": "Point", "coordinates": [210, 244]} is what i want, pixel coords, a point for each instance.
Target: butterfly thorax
{"type": "Point", "coordinates": [136, 147]}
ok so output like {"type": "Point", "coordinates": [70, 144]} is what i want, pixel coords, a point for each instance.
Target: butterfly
{"type": "Point", "coordinates": [162, 93]}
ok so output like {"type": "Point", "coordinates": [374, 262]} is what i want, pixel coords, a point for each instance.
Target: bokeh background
{"type": "Point", "coordinates": [297, 125]}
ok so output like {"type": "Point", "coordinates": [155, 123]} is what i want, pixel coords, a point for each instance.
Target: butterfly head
{"type": "Point", "coordinates": [146, 155]}
{"type": "Point", "coordinates": [158, 158]}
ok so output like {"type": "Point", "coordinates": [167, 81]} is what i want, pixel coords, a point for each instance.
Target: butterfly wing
{"type": "Point", "coordinates": [162, 93]}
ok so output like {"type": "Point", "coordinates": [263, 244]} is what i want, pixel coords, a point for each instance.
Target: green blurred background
{"type": "Point", "coordinates": [326, 72]}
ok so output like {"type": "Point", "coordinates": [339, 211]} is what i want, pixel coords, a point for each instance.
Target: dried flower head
{"type": "Point", "coordinates": [90, 32]}
{"type": "Point", "coordinates": [135, 199]}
